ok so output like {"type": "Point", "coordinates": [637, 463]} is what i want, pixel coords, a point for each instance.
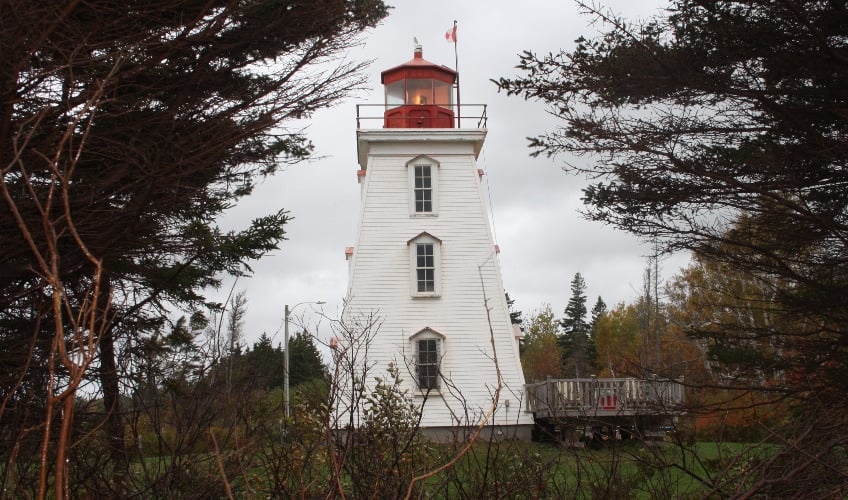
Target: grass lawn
{"type": "Point", "coordinates": [528, 470]}
{"type": "Point", "coordinates": [616, 470]}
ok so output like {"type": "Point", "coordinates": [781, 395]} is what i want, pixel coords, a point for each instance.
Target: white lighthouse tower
{"type": "Point", "coordinates": [425, 282]}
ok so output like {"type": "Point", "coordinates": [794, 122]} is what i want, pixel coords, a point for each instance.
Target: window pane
{"type": "Point", "coordinates": [423, 202]}
{"type": "Point", "coordinates": [419, 91]}
{"type": "Point", "coordinates": [444, 94]}
{"type": "Point", "coordinates": [431, 357]}
{"type": "Point", "coordinates": [425, 250]}
{"type": "Point", "coordinates": [429, 377]}
{"type": "Point", "coordinates": [425, 350]}
{"type": "Point", "coordinates": [394, 94]}
{"type": "Point", "coordinates": [424, 206]}
{"type": "Point", "coordinates": [426, 196]}
{"type": "Point", "coordinates": [425, 281]}
{"type": "Point", "coordinates": [422, 176]}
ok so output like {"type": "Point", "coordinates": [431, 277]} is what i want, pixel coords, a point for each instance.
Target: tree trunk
{"type": "Point", "coordinates": [111, 393]}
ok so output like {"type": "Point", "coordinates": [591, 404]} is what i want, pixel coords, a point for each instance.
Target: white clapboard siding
{"type": "Point", "coordinates": [381, 278]}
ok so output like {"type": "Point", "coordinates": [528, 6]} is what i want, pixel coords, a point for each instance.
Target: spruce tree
{"type": "Point", "coordinates": [577, 351]}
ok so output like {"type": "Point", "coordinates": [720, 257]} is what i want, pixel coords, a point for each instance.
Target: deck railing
{"type": "Point", "coordinates": [604, 396]}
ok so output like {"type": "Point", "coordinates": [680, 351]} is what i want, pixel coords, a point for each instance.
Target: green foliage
{"type": "Point", "coordinates": [386, 451]}
{"type": "Point", "coordinates": [574, 316]}
{"type": "Point", "coordinates": [578, 349]}
{"type": "Point", "coordinates": [305, 362]}
{"type": "Point", "coordinates": [262, 364]}
{"type": "Point", "coordinates": [598, 310]}
{"type": "Point", "coordinates": [507, 469]}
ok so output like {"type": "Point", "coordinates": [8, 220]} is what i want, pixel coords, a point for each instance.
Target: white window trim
{"type": "Point", "coordinates": [428, 334]}
{"type": "Point", "coordinates": [425, 238]}
{"type": "Point", "coordinates": [434, 183]}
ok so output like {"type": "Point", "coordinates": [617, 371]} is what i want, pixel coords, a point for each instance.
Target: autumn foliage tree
{"type": "Point", "coordinates": [728, 315]}
{"type": "Point", "coordinates": [541, 355]}
{"type": "Point", "coordinates": [618, 338]}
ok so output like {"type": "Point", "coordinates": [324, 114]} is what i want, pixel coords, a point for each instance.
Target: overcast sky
{"type": "Point", "coordinates": [534, 204]}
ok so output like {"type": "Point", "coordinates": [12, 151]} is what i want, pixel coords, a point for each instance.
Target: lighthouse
{"type": "Point", "coordinates": [425, 293]}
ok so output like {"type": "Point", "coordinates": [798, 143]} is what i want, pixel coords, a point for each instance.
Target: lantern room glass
{"type": "Point", "coordinates": [395, 94]}
{"type": "Point", "coordinates": [443, 94]}
{"type": "Point", "coordinates": [419, 91]}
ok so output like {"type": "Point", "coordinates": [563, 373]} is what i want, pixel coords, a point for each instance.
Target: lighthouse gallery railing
{"type": "Point", "coordinates": [468, 115]}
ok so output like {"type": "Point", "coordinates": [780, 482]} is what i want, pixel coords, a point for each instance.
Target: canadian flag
{"type": "Point", "coordinates": [450, 35]}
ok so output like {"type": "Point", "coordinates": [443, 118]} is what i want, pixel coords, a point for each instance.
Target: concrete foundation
{"type": "Point", "coordinates": [489, 433]}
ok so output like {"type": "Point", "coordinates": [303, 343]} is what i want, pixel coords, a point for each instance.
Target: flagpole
{"type": "Point", "coordinates": [456, 68]}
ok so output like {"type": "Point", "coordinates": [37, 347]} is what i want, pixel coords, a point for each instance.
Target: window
{"type": "Point", "coordinates": [428, 364]}
{"type": "Point", "coordinates": [428, 346]}
{"type": "Point", "coordinates": [423, 187]}
{"type": "Point", "coordinates": [425, 255]}
{"type": "Point", "coordinates": [425, 268]}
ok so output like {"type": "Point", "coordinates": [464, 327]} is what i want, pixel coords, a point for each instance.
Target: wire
{"type": "Point", "coordinates": [489, 193]}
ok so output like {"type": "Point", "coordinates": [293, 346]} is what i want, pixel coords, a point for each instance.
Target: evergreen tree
{"type": "Point", "coordinates": [305, 361]}
{"type": "Point", "coordinates": [235, 322]}
{"type": "Point", "coordinates": [235, 331]}
{"type": "Point", "coordinates": [598, 310]}
{"type": "Point", "coordinates": [574, 320]}
{"type": "Point", "coordinates": [263, 364]}
{"type": "Point", "coordinates": [577, 349]}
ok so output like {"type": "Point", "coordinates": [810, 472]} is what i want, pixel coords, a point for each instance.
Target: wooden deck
{"type": "Point", "coordinates": [604, 397]}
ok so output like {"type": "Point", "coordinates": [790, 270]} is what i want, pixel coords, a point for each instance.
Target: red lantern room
{"type": "Point", "coordinates": [419, 94]}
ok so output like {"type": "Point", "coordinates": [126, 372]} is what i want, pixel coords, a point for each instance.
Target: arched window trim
{"type": "Point", "coordinates": [427, 332]}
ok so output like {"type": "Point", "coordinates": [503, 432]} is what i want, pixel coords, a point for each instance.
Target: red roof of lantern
{"type": "Point", "coordinates": [418, 67]}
